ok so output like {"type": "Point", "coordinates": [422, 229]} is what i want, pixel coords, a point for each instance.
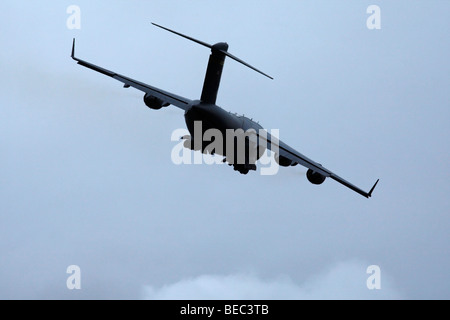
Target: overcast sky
{"type": "Point", "coordinates": [86, 176]}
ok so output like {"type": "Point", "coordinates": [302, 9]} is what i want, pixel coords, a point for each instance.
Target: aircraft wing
{"type": "Point", "coordinates": [281, 148]}
{"type": "Point", "coordinates": [165, 96]}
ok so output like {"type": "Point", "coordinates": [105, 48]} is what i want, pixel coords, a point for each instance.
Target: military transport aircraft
{"type": "Point", "coordinates": [212, 116]}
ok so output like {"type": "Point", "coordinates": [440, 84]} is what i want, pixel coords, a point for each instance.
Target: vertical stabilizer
{"type": "Point", "coordinates": [214, 73]}
{"type": "Point", "coordinates": [215, 66]}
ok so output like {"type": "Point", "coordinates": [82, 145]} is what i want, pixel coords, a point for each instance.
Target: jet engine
{"type": "Point", "coordinates": [315, 177]}
{"type": "Point", "coordinates": [153, 102]}
{"type": "Point", "coordinates": [284, 162]}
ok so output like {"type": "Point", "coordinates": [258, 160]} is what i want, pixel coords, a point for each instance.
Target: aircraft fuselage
{"type": "Point", "coordinates": [231, 128]}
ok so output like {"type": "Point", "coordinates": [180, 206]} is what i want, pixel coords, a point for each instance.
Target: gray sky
{"type": "Point", "coordinates": [86, 176]}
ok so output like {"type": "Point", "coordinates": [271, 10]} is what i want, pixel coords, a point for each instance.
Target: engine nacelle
{"type": "Point", "coordinates": [153, 102]}
{"type": "Point", "coordinates": [315, 177]}
{"type": "Point", "coordinates": [284, 162]}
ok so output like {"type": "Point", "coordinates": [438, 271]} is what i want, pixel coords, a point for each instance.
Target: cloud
{"type": "Point", "coordinates": [346, 280]}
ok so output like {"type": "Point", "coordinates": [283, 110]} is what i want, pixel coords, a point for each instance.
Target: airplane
{"type": "Point", "coordinates": [211, 116]}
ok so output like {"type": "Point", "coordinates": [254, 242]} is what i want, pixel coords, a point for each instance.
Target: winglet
{"type": "Point", "coordinates": [73, 49]}
{"type": "Point", "coordinates": [373, 188]}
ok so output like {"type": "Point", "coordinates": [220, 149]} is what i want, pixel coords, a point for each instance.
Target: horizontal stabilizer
{"type": "Point", "coordinates": [214, 47]}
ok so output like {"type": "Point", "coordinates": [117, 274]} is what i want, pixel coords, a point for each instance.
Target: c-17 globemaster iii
{"type": "Point", "coordinates": [213, 117]}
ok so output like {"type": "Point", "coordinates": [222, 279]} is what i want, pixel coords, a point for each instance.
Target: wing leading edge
{"type": "Point", "coordinates": [295, 156]}
{"type": "Point", "coordinates": [165, 96]}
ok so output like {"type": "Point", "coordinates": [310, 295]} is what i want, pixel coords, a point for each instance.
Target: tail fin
{"type": "Point", "coordinates": [215, 66]}
{"type": "Point", "coordinates": [214, 47]}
